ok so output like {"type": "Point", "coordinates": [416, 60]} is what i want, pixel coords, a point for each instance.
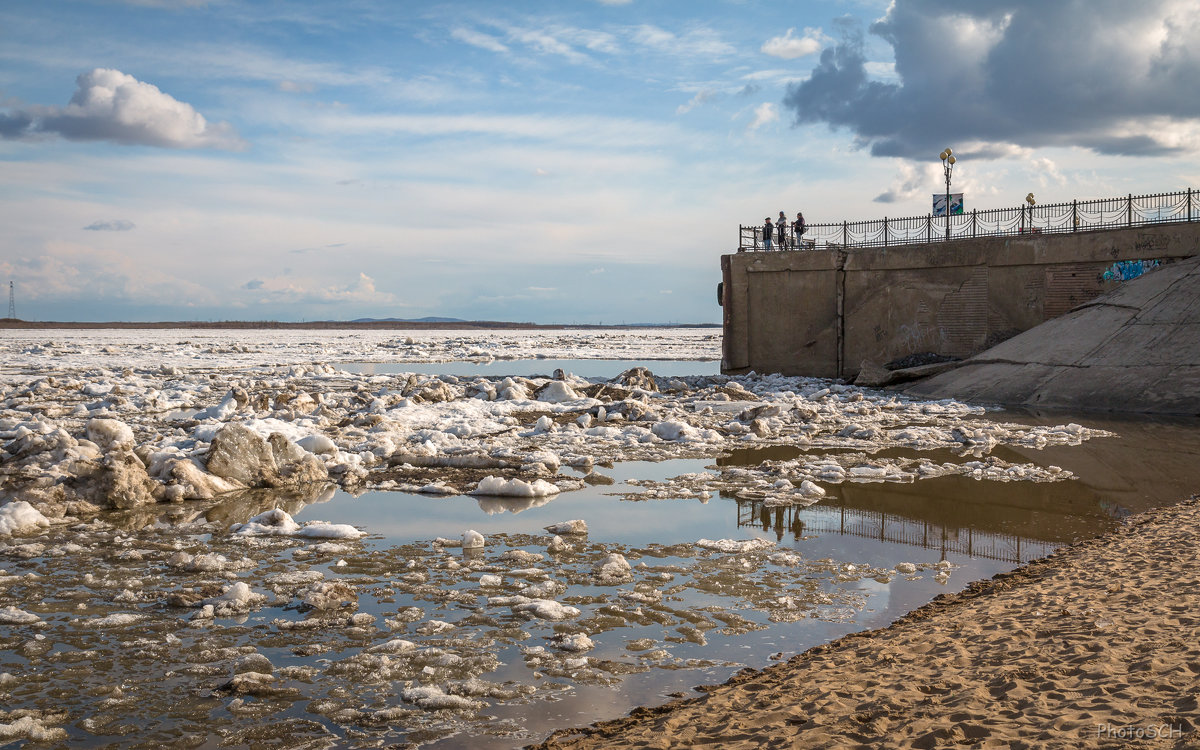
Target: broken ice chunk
{"type": "Point", "coordinates": [515, 487]}
{"type": "Point", "coordinates": [576, 526]}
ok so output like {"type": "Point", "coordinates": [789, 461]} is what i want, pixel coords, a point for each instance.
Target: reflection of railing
{"type": "Point", "coordinates": [1076, 216]}
{"type": "Point", "coordinates": [887, 527]}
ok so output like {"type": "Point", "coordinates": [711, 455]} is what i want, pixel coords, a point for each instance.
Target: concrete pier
{"type": "Point", "coordinates": [824, 312]}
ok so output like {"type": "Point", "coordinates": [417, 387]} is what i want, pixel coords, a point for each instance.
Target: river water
{"type": "Point", "coordinates": [684, 614]}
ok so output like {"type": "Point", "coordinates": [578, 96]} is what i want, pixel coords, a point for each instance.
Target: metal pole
{"type": "Point", "coordinates": [1189, 204]}
{"type": "Point", "coordinates": [885, 232]}
{"type": "Point", "coordinates": [845, 234]}
{"type": "Point", "coordinates": [1129, 211]}
{"type": "Point", "coordinates": [947, 203]}
{"type": "Point", "coordinates": [974, 221]}
{"type": "Point", "coordinates": [1075, 215]}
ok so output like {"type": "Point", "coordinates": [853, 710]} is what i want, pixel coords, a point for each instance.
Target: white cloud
{"type": "Point", "coordinates": [697, 42]}
{"type": "Point", "coordinates": [764, 114]}
{"type": "Point", "coordinates": [910, 183]}
{"type": "Point", "coordinates": [109, 105]}
{"type": "Point", "coordinates": [789, 47]}
{"type": "Point", "coordinates": [63, 271]}
{"type": "Point", "coordinates": [546, 41]}
{"type": "Point", "coordinates": [293, 290]}
{"type": "Point", "coordinates": [478, 39]}
{"type": "Point", "coordinates": [701, 97]}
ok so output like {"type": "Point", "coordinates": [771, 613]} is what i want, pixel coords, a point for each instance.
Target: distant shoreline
{"type": "Point", "coordinates": [382, 325]}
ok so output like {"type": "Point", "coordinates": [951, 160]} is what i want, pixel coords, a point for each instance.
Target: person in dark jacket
{"type": "Point", "coordinates": [767, 229]}
{"type": "Point", "coordinates": [799, 227]}
{"type": "Point", "coordinates": [781, 231]}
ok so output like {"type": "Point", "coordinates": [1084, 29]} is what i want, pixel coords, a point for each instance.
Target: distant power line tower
{"type": "Point", "coordinates": [12, 302]}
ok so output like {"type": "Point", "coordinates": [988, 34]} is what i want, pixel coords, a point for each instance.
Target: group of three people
{"type": "Point", "coordinates": [780, 230]}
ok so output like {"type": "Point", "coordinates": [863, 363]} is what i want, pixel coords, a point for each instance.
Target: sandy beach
{"type": "Point", "coordinates": [1096, 645]}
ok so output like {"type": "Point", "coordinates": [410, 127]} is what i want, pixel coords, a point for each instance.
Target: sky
{"type": "Point", "coordinates": [580, 161]}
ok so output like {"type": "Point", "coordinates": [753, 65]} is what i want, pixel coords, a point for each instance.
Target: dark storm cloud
{"type": "Point", "coordinates": [1108, 75]}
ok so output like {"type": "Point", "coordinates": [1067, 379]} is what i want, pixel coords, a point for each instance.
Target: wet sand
{"type": "Point", "coordinates": [1096, 645]}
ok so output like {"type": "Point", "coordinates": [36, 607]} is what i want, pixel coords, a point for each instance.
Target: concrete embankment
{"type": "Point", "coordinates": [1136, 349]}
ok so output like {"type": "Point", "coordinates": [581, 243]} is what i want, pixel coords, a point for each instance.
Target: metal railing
{"type": "Point", "coordinates": [1076, 216]}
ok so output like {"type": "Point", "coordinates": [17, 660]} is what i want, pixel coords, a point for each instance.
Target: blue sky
{"type": "Point", "coordinates": [577, 161]}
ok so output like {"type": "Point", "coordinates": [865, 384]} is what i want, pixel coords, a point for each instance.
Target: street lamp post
{"type": "Point", "coordinates": [1029, 199]}
{"type": "Point", "coordinates": [948, 160]}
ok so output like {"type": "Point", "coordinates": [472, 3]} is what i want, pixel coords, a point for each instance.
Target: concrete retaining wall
{"type": "Point", "coordinates": [823, 312]}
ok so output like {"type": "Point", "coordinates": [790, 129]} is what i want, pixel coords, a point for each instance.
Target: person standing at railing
{"type": "Point", "coordinates": [767, 229]}
{"type": "Point", "coordinates": [799, 227]}
{"type": "Point", "coordinates": [781, 230]}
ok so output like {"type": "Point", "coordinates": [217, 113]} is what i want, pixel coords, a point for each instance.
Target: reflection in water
{"type": "Point", "coordinates": [1147, 464]}
{"type": "Point", "coordinates": [225, 510]}
{"type": "Point", "coordinates": [492, 505]}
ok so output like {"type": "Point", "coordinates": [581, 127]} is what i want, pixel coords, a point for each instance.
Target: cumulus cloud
{"type": "Point", "coordinates": [292, 290]}
{"type": "Point", "coordinates": [109, 105]}
{"type": "Point", "coordinates": [116, 225]}
{"type": "Point", "coordinates": [702, 96]}
{"type": "Point", "coordinates": [910, 183]}
{"type": "Point", "coordinates": [789, 47]}
{"type": "Point", "coordinates": [69, 272]}
{"type": "Point", "coordinates": [764, 114]}
{"type": "Point", "coordinates": [1107, 75]}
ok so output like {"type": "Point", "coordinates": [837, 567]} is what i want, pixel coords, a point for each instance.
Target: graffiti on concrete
{"type": "Point", "coordinates": [1124, 270]}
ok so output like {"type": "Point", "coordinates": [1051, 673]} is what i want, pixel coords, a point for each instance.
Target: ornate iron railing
{"type": "Point", "coordinates": [1076, 216]}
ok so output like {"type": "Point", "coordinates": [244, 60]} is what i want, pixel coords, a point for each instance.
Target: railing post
{"type": "Point", "coordinates": [1129, 211]}
{"type": "Point", "coordinates": [1075, 215]}
{"type": "Point", "coordinates": [885, 237]}
{"type": "Point", "coordinates": [974, 222]}
{"type": "Point", "coordinates": [929, 228]}
{"type": "Point", "coordinates": [845, 234]}
{"type": "Point", "coordinates": [1189, 204]}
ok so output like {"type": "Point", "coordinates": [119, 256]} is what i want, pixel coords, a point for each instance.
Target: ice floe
{"type": "Point", "coordinates": [253, 427]}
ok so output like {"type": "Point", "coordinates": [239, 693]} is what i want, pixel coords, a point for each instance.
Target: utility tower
{"type": "Point", "coordinates": [12, 301]}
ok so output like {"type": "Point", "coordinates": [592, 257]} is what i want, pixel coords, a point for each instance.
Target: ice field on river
{"type": "Point", "coordinates": [246, 538]}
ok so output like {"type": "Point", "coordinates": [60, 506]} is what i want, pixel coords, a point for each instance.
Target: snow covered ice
{"type": "Point", "coordinates": [151, 481]}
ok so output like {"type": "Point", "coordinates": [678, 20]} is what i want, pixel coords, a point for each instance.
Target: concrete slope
{"type": "Point", "coordinates": [1135, 349]}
